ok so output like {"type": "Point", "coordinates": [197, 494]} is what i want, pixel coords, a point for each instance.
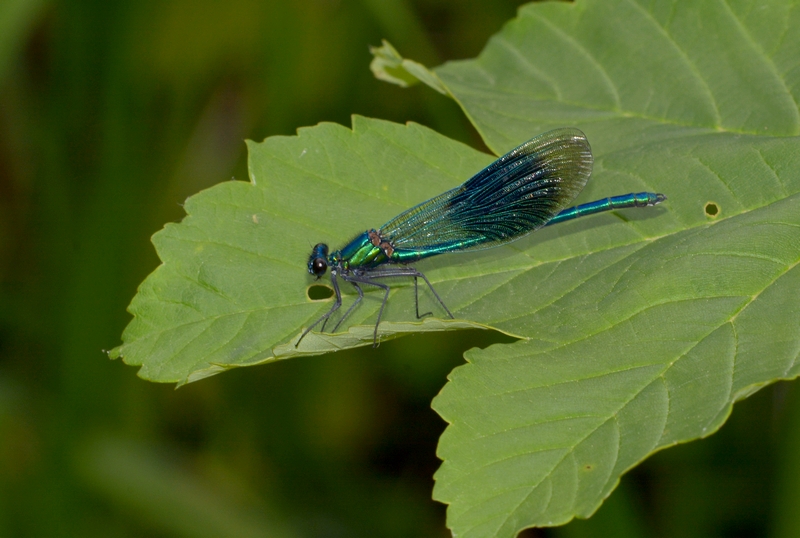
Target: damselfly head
{"type": "Point", "coordinates": [318, 261]}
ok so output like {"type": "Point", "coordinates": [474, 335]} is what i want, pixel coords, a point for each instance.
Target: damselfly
{"type": "Point", "coordinates": [522, 191]}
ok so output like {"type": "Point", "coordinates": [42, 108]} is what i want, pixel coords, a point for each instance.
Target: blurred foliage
{"type": "Point", "coordinates": [111, 113]}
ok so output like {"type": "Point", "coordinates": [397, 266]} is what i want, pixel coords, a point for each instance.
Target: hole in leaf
{"type": "Point", "coordinates": [712, 210]}
{"type": "Point", "coordinates": [319, 292]}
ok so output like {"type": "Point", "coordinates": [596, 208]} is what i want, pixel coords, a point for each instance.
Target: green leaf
{"type": "Point", "coordinates": [640, 343]}
{"type": "Point", "coordinates": [389, 66]}
{"type": "Point", "coordinates": [233, 287]}
{"type": "Point", "coordinates": [639, 329]}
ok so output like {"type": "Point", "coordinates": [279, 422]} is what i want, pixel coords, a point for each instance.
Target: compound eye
{"type": "Point", "coordinates": [319, 266]}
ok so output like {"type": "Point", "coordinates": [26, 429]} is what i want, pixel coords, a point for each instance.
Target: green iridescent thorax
{"type": "Point", "coordinates": [361, 252]}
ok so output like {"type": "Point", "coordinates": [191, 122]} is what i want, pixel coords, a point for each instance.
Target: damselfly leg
{"type": "Point", "coordinates": [352, 306]}
{"type": "Point", "coordinates": [416, 302]}
{"type": "Point", "coordinates": [370, 277]}
{"type": "Point", "coordinates": [355, 280]}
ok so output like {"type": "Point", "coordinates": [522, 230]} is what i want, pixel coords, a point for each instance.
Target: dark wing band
{"type": "Point", "coordinates": [508, 199]}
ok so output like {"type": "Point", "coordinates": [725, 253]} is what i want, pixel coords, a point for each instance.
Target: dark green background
{"type": "Point", "coordinates": [111, 114]}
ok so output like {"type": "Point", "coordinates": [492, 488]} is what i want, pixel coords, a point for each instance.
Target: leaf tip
{"type": "Point", "coordinates": [388, 65]}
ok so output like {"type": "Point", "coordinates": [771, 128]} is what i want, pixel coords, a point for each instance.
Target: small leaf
{"type": "Point", "coordinates": [389, 66]}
